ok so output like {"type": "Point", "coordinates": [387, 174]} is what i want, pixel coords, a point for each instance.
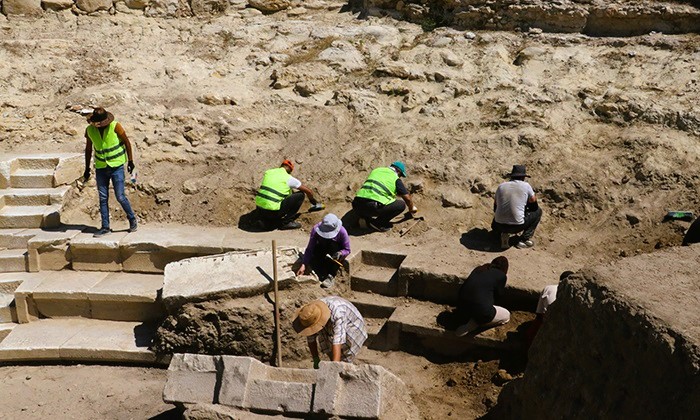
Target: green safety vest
{"type": "Point", "coordinates": [273, 189]}
{"type": "Point", "coordinates": [380, 186]}
{"type": "Point", "coordinates": [109, 150]}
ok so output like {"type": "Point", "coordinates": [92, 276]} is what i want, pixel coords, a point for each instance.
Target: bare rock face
{"type": "Point", "coordinates": [22, 7]}
{"type": "Point", "coordinates": [137, 4]}
{"type": "Point", "coordinates": [90, 6]}
{"type": "Point", "coordinates": [270, 6]}
{"type": "Point", "coordinates": [620, 341]}
{"type": "Point", "coordinates": [168, 8]}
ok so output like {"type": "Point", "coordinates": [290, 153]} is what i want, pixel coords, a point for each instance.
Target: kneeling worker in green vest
{"type": "Point", "coordinates": [112, 148]}
{"type": "Point", "coordinates": [277, 205]}
{"type": "Point", "coordinates": [376, 201]}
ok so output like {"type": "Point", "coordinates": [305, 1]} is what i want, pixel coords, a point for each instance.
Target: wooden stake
{"type": "Point", "coordinates": [277, 306]}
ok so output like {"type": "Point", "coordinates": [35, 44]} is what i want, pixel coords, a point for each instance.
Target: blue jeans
{"type": "Point", "coordinates": [102, 176]}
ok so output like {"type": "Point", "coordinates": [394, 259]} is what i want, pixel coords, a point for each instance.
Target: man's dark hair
{"type": "Point", "coordinates": [565, 274]}
{"type": "Point", "coordinates": [500, 263]}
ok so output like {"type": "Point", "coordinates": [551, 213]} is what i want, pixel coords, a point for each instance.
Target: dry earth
{"type": "Point", "coordinates": [607, 126]}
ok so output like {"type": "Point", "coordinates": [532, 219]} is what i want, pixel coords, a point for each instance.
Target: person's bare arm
{"type": "Point", "coordinates": [336, 352]}
{"type": "Point", "coordinates": [409, 203]}
{"type": "Point", "coordinates": [125, 140]}
{"type": "Point", "coordinates": [309, 194]}
{"type": "Point", "coordinates": [88, 157]}
{"type": "Point", "coordinates": [532, 199]}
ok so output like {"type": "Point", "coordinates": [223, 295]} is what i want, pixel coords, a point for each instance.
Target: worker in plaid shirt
{"type": "Point", "coordinates": [333, 326]}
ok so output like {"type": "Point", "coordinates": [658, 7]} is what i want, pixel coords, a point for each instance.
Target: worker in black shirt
{"type": "Point", "coordinates": [478, 294]}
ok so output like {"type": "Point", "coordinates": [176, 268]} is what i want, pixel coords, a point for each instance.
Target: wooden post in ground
{"type": "Point", "coordinates": [277, 306]}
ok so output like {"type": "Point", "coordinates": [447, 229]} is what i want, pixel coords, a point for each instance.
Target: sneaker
{"type": "Point", "coordinates": [133, 226]}
{"type": "Point", "coordinates": [102, 232]}
{"type": "Point", "coordinates": [525, 244]}
{"type": "Point", "coordinates": [505, 240]}
{"type": "Point", "coordinates": [327, 283]}
{"type": "Point", "coordinates": [379, 228]}
{"type": "Point", "coordinates": [290, 225]}
{"type": "Point", "coordinates": [463, 330]}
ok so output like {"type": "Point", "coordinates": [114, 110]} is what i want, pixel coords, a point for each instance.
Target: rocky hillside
{"type": "Point", "coordinates": [609, 127]}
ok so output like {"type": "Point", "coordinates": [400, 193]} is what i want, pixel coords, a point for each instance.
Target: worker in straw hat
{"type": "Point", "coordinates": [277, 204]}
{"type": "Point", "coordinates": [329, 245]}
{"type": "Point", "coordinates": [112, 151]}
{"type": "Point", "coordinates": [332, 326]}
{"type": "Point", "coordinates": [376, 202]}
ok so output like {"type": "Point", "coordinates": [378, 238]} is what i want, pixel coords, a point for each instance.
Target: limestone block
{"type": "Point", "coordinates": [366, 391]}
{"type": "Point", "coordinates": [192, 378]}
{"type": "Point", "coordinates": [249, 384]}
{"type": "Point", "coordinates": [41, 342]}
{"type": "Point", "coordinates": [5, 163]}
{"type": "Point", "coordinates": [26, 308]}
{"type": "Point", "coordinates": [57, 5]}
{"type": "Point", "coordinates": [6, 329]}
{"type": "Point", "coordinates": [70, 167]}
{"type": "Point", "coordinates": [90, 6]}
{"type": "Point", "coordinates": [22, 7]}
{"type": "Point", "coordinates": [65, 293]}
{"type": "Point", "coordinates": [106, 341]}
{"type": "Point", "coordinates": [49, 250]}
{"type": "Point", "coordinates": [126, 297]}
{"type": "Point", "coordinates": [150, 250]}
{"type": "Point", "coordinates": [234, 380]}
{"type": "Point", "coordinates": [233, 274]}
{"type": "Point", "coordinates": [16, 238]}
{"type": "Point", "coordinates": [7, 308]}
{"type": "Point", "coordinates": [96, 254]}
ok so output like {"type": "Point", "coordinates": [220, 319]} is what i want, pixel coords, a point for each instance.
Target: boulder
{"type": "Point", "coordinates": [270, 6]}
{"type": "Point", "coordinates": [209, 7]}
{"type": "Point", "coordinates": [57, 5]}
{"type": "Point", "coordinates": [91, 6]}
{"type": "Point", "coordinates": [137, 4]}
{"type": "Point", "coordinates": [22, 7]}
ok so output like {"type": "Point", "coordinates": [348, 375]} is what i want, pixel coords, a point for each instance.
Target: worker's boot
{"type": "Point", "coordinates": [290, 225]}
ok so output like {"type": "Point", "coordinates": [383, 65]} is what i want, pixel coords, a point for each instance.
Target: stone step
{"type": "Point", "coordinates": [30, 216]}
{"type": "Point", "coordinates": [32, 178]}
{"type": "Point", "coordinates": [33, 196]}
{"type": "Point", "coordinates": [29, 162]}
{"type": "Point", "coordinates": [12, 260]}
{"type": "Point", "coordinates": [16, 238]}
{"type": "Point", "coordinates": [96, 295]}
{"type": "Point", "coordinates": [414, 327]}
{"type": "Point", "coordinates": [372, 278]}
{"type": "Point", "coordinates": [5, 329]}
{"type": "Point", "coordinates": [80, 340]}
{"type": "Point", "coordinates": [8, 313]}
{"type": "Point", "coordinates": [372, 305]}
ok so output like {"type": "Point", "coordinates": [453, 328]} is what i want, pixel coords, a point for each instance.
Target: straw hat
{"type": "Point", "coordinates": [100, 117]}
{"type": "Point", "coordinates": [329, 226]}
{"type": "Point", "coordinates": [311, 318]}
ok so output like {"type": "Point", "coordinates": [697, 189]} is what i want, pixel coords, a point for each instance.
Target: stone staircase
{"type": "Point", "coordinates": [32, 188]}
{"type": "Point", "coordinates": [67, 296]}
{"type": "Point", "coordinates": [401, 308]}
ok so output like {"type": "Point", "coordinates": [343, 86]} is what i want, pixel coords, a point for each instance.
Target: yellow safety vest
{"type": "Point", "coordinates": [380, 186]}
{"type": "Point", "coordinates": [273, 189]}
{"type": "Point", "coordinates": [109, 150]}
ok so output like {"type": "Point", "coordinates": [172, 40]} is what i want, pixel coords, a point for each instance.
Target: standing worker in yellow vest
{"type": "Point", "coordinates": [376, 201]}
{"type": "Point", "coordinates": [276, 204]}
{"type": "Point", "coordinates": [112, 148]}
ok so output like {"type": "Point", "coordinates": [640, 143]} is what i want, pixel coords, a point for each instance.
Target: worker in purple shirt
{"type": "Point", "coordinates": [328, 246]}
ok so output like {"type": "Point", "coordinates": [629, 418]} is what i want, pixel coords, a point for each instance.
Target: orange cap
{"type": "Point", "coordinates": [288, 163]}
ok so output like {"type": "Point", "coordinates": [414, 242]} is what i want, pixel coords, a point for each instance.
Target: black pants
{"type": "Point", "coordinates": [692, 236]}
{"type": "Point", "coordinates": [320, 263]}
{"type": "Point", "coordinates": [289, 208]}
{"type": "Point", "coordinates": [376, 212]}
{"type": "Point", "coordinates": [532, 219]}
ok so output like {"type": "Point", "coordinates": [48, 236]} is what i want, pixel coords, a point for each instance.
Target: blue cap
{"type": "Point", "coordinates": [400, 166]}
